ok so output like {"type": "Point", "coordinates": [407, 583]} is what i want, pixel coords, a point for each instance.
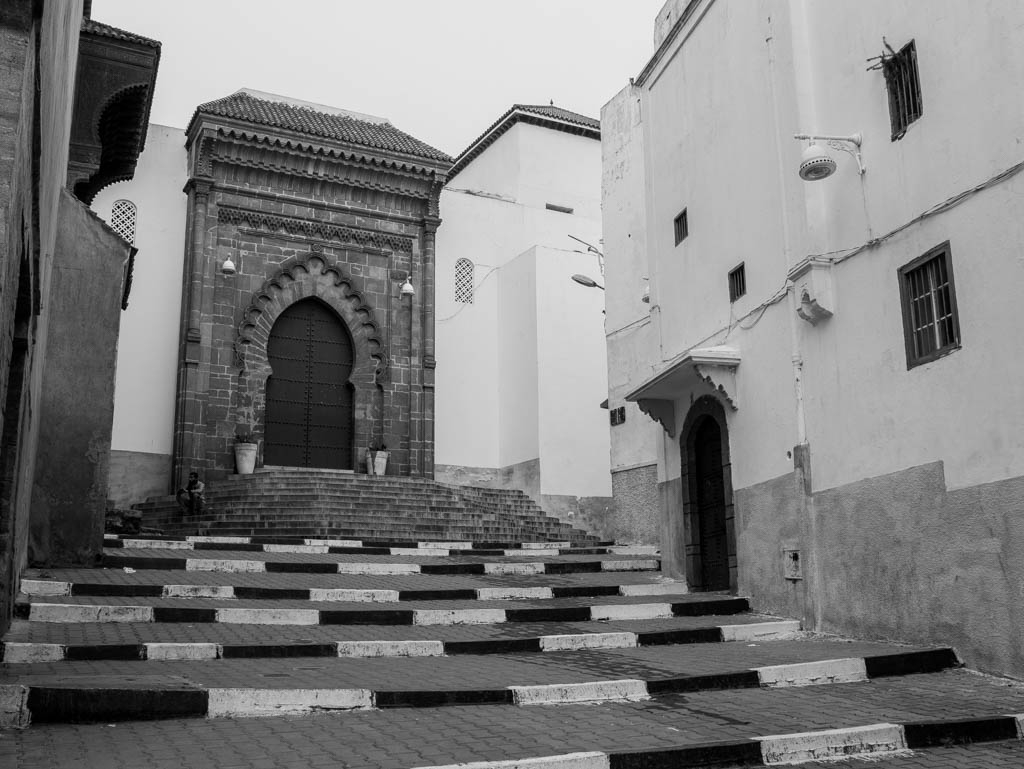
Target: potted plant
{"type": "Point", "coordinates": [377, 458]}
{"type": "Point", "coordinates": [246, 446]}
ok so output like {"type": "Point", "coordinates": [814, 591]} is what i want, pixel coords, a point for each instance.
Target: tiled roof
{"type": "Point", "coordinates": [548, 116]}
{"type": "Point", "coordinates": [96, 28]}
{"type": "Point", "coordinates": [331, 125]}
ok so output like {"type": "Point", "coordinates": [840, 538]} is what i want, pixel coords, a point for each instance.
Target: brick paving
{"type": "Point", "coordinates": [402, 739]}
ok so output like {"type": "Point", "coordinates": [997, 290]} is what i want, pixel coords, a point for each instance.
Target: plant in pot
{"type": "Point", "coordinates": [377, 458]}
{"type": "Point", "coordinates": [246, 446]}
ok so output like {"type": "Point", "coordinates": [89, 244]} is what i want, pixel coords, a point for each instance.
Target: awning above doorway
{"type": "Point", "coordinates": [715, 365]}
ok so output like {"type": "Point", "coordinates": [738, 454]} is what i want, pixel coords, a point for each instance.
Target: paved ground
{"type": "Point", "coordinates": [402, 739]}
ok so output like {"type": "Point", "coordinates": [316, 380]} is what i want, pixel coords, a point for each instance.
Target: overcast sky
{"type": "Point", "coordinates": [441, 70]}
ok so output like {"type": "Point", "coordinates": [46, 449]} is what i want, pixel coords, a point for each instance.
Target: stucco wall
{"type": "Point", "coordinates": [146, 371]}
{"type": "Point", "coordinates": [636, 513]}
{"type": "Point", "coordinates": [77, 403]}
{"type": "Point", "coordinates": [518, 386]}
{"type": "Point", "coordinates": [135, 476]}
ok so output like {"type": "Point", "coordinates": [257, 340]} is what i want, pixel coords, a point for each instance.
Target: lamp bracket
{"type": "Point", "coordinates": [849, 144]}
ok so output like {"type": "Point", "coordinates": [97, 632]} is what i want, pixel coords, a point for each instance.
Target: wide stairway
{"type": "Point", "coordinates": [322, 503]}
{"type": "Point", "coordinates": [274, 647]}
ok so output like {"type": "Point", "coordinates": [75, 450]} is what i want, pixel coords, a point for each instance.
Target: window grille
{"type": "Point", "coordinates": [682, 227]}
{"type": "Point", "coordinates": [904, 86]}
{"type": "Point", "coordinates": [737, 283]}
{"type": "Point", "coordinates": [464, 281]}
{"type": "Point", "coordinates": [122, 219]}
{"type": "Point", "coordinates": [931, 326]}
{"type": "Point", "coordinates": [618, 415]}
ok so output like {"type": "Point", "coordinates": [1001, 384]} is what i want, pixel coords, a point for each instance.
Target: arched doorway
{"type": "Point", "coordinates": [309, 415]}
{"type": "Point", "coordinates": [707, 498]}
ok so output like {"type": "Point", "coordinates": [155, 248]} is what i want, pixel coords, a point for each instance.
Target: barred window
{"type": "Point", "coordinates": [931, 327]}
{"type": "Point", "coordinates": [904, 86]}
{"type": "Point", "coordinates": [464, 281]}
{"type": "Point", "coordinates": [737, 282]}
{"type": "Point", "coordinates": [617, 415]}
{"type": "Point", "coordinates": [122, 219]}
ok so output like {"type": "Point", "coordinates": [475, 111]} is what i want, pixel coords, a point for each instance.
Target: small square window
{"type": "Point", "coordinates": [618, 416]}
{"type": "Point", "coordinates": [737, 283]}
{"type": "Point", "coordinates": [931, 326]}
{"type": "Point", "coordinates": [904, 87]}
{"type": "Point", "coordinates": [682, 227]}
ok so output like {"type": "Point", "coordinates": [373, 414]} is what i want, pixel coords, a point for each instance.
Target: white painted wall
{"type": "Point", "coordinates": [502, 383]}
{"type": "Point", "coordinates": [799, 66]}
{"type": "Point", "coordinates": [147, 349]}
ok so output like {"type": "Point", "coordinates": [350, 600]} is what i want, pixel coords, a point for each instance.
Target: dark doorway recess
{"type": "Point", "coordinates": [309, 416]}
{"type": "Point", "coordinates": [710, 529]}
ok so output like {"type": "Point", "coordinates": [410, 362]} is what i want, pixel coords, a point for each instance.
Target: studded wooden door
{"type": "Point", "coordinates": [309, 416]}
{"type": "Point", "coordinates": [714, 549]}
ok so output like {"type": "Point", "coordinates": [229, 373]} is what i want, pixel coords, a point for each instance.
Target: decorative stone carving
{"type": "Point", "coordinates": [346, 236]}
{"type": "Point", "coordinates": [812, 281]}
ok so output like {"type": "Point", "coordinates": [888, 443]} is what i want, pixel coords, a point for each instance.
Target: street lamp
{"type": "Point", "coordinates": [583, 280]}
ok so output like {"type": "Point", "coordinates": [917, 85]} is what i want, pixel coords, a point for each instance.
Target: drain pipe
{"type": "Point", "coordinates": [801, 451]}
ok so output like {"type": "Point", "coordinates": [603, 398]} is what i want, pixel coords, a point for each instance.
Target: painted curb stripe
{"type": "Point", "coordinates": [236, 565]}
{"type": "Point", "coordinates": [567, 761]}
{"type": "Point", "coordinates": [832, 743]}
{"type": "Point", "coordinates": [275, 702]}
{"type": "Point", "coordinates": [42, 588]}
{"type": "Point", "coordinates": [15, 652]}
{"type": "Point", "coordinates": [79, 613]}
{"type": "Point", "coordinates": [839, 671]}
{"type": "Point", "coordinates": [343, 546]}
{"type": "Point", "coordinates": [630, 689]}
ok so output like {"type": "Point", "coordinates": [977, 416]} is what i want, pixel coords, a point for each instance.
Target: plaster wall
{"type": "Point", "coordinates": [518, 364]}
{"type": "Point", "coordinates": [147, 365]}
{"type": "Point", "coordinates": [77, 400]}
{"type": "Point", "coordinates": [572, 378]}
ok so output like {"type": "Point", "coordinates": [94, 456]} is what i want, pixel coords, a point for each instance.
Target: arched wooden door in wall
{"type": "Point", "coordinates": [309, 416]}
{"type": "Point", "coordinates": [709, 495]}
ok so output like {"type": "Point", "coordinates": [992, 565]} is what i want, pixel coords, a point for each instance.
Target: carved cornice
{"type": "Point", "coordinates": [315, 230]}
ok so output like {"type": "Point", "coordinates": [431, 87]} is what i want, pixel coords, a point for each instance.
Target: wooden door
{"type": "Point", "coordinates": [714, 550]}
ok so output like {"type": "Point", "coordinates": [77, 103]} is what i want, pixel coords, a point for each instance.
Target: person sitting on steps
{"type": "Point", "coordinates": [190, 498]}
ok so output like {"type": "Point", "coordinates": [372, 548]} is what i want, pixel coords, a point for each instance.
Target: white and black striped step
{"type": "Point", "coordinates": [24, 652]}
{"type": "Point", "coordinates": [232, 564]}
{"type": "Point", "coordinates": [359, 547]}
{"type": "Point", "coordinates": [117, 693]}
{"type": "Point", "coordinates": [201, 611]}
{"type": "Point", "coordinates": [56, 588]}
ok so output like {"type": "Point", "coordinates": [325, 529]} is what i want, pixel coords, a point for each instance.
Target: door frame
{"type": "Point", "coordinates": [705, 407]}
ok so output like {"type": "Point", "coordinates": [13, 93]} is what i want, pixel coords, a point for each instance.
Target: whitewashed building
{"type": "Point", "coordinates": [520, 351]}
{"type": "Point", "coordinates": [829, 346]}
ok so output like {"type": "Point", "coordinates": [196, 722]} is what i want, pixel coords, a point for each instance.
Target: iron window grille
{"type": "Point", "coordinates": [931, 325]}
{"type": "Point", "coordinates": [122, 219]}
{"type": "Point", "coordinates": [617, 415]}
{"type": "Point", "coordinates": [464, 270]}
{"type": "Point", "coordinates": [682, 227]}
{"type": "Point", "coordinates": [737, 282]}
{"type": "Point", "coordinates": [904, 86]}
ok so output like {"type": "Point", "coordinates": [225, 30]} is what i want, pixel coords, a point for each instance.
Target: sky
{"type": "Point", "coordinates": [441, 70]}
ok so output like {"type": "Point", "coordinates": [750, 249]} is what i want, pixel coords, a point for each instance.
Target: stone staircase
{"type": "Point", "coordinates": [282, 651]}
{"type": "Point", "coordinates": [304, 503]}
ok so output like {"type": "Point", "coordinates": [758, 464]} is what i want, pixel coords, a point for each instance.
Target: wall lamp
{"type": "Point", "coordinates": [583, 280]}
{"type": "Point", "coordinates": [407, 289]}
{"type": "Point", "coordinates": [228, 268]}
{"type": "Point", "coordinates": [816, 164]}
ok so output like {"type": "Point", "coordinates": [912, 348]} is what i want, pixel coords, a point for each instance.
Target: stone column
{"type": "Point", "coordinates": [428, 362]}
{"type": "Point", "coordinates": [189, 443]}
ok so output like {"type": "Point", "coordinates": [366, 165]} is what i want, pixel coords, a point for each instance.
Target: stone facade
{"type": "Point", "coordinates": [304, 216]}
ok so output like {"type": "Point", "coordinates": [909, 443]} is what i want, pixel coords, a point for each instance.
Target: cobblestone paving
{"type": "Point", "coordinates": [998, 755]}
{"type": "Point", "coordinates": [401, 739]}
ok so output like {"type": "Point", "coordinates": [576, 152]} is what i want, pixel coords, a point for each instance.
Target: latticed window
{"type": "Point", "coordinates": [930, 324]}
{"type": "Point", "coordinates": [464, 281]}
{"type": "Point", "coordinates": [122, 219]}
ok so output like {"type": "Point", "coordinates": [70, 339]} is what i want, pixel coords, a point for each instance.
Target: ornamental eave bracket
{"type": "Point", "coordinates": [661, 411]}
{"type": "Point", "coordinates": [812, 281]}
{"type": "Point", "coordinates": [717, 366]}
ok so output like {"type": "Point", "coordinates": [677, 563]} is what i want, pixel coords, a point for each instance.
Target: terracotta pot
{"type": "Point", "coordinates": [245, 458]}
{"type": "Point", "coordinates": [377, 462]}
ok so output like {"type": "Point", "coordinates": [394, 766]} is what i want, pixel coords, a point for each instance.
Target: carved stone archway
{"type": "Point", "coordinates": [310, 275]}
